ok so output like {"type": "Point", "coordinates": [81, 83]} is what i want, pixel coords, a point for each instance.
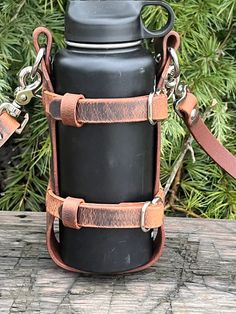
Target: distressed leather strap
{"type": "Point", "coordinates": [75, 110]}
{"type": "Point", "coordinates": [201, 133]}
{"type": "Point", "coordinates": [8, 126]}
{"type": "Point", "coordinates": [76, 213]}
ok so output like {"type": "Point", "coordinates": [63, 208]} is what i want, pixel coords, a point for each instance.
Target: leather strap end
{"type": "Point", "coordinates": [160, 107]}
{"type": "Point", "coordinates": [8, 126]}
{"type": "Point", "coordinates": [188, 108]}
{"type": "Point", "coordinates": [154, 217]}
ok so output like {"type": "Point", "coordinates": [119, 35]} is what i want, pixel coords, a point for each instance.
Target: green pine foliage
{"type": "Point", "coordinates": [207, 58]}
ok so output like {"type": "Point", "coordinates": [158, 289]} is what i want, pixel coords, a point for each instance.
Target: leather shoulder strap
{"type": "Point", "coordinates": [203, 136]}
{"type": "Point", "coordinates": [188, 110]}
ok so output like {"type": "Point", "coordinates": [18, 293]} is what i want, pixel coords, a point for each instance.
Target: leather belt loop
{"type": "Point", "coordinates": [69, 105]}
{"type": "Point", "coordinates": [69, 214]}
{"type": "Point", "coordinates": [46, 64]}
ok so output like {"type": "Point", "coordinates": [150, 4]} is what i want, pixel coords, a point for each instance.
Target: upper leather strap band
{"type": "Point", "coordinates": [74, 110]}
{"type": "Point", "coordinates": [75, 213]}
{"type": "Point", "coordinates": [8, 126]}
{"type": "Point", "coordinates": [201, 133]}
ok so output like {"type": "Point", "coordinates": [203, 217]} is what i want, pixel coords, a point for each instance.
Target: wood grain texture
{"type": "Point", "coordinates": [196, 274]}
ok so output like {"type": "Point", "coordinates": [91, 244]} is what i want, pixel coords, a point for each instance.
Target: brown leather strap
{"type": "Point", "coordinates": [209, 143]}
{"type": "Point", "coordinates": [8, 126]}
{"type": "Point", "coordinates": [74, 110]}
{"type": "Point", "coordinates": [53, 246]}
{"type": "Point", "coordinates": [188, 106]}
{"type": "Point", "coordinates": [75, 213]}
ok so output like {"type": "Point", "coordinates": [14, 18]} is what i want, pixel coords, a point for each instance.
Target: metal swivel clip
{"type": "Point", "coordinates": [30, 82]}
{"type": "Point", "coordinates": [175, 89]}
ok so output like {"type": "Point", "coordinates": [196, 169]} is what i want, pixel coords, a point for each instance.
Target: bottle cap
{"type": "Point", "coordinates": [106, 21]}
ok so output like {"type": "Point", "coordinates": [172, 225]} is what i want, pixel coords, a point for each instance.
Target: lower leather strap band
{"type": "Point", "coordinates": [75, 213]}
{"type": "Point", "coordinates": [8, 126]}
{"type": "Point", "coordinates": [74, 110]}
{"type": "Point", "coordinates": [54, 251]}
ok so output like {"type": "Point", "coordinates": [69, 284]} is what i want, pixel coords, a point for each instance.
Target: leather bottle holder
{"type": "Point", "coordinates": [75, 110]}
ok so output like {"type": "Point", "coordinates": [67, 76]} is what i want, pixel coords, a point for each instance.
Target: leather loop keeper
{"type": "Point", "coordinates": [69, 212]}
{"type": "Point", "coordinates": [69, 105]}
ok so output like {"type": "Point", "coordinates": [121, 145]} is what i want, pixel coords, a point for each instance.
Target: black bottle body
{"type": "Point", "coordinates": [106, 163]}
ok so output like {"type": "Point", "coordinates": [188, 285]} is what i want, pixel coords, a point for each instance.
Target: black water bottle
{"type": "Point", "coordinates": [105, 58]}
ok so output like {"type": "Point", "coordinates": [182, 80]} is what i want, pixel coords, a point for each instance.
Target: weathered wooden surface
{"type": "Point", "coordinates": [197, 273]}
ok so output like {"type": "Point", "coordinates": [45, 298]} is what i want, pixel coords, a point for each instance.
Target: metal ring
{"type": "Point", "coordinates": [150, 109]}
{"type": "Point", "coordinates": [26, 73]}
{"type": "Point", "coordinates": [143, 212]}
{"type": "Point", "coordinates": [37, 63]}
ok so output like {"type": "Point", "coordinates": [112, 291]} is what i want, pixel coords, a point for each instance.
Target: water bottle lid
{"type": "Point", "coordinates": [111, 21]}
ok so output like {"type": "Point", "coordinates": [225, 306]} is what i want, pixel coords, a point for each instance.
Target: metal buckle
{"type": "Point", "coordinates": [37, 62]}
{"type": "Point", "coordinates": [144, 209]}
{"type": "Point", "coordinates": [23, 124]}
{"type": "Point", "coordinates": [175, 60]}
{"type": "Point", "coordinates": [13, 110]}
{"type": "Point", "coordinates": [150, 109]}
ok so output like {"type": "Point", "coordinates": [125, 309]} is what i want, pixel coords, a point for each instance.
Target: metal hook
{"type": "Point", "coordinates": [37, 63]}
{"type": "Point", "coordinates": [175, 60]}
{"type": "Point", "coordinates": [25, 93]}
